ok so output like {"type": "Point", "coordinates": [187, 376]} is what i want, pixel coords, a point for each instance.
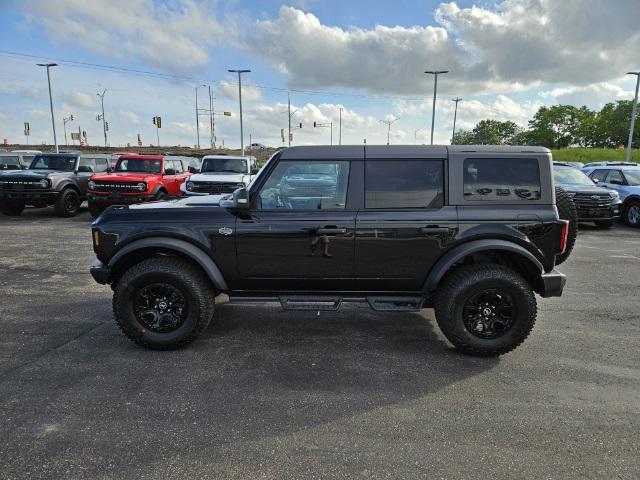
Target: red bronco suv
{"type": "Point", "coordinates": [137, 179]}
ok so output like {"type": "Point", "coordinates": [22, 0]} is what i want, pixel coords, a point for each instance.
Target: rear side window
{"type": "Point", "coordinates": [404, 184]}
{"type": "Point", "coordinates": [599, 175]}
{"type": "Point", "coordinates": [501, 179]}
{"type": "Point", "coordinates": [87, 165]}
{"type": "Point", "coordinates": [615, 177]}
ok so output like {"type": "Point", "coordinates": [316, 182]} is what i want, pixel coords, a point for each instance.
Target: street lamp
{"type": "Point", "coordinates": [53, 121]}
{"type": "Point", "coordinates": [455, 116]}
{"type": "Point", "coordinates": [198, 117]}
{"type": "Point", "coordinates": [322, 125]}
{"type": "Point", "coordinates": [435, 74]}
{"type": "Point", "coordinates": [388, 123]}
{"type": "Point", "coordinates": [105, 126]}
{"type": "Point", "coordinates": [633, 115]}
{"type": "Point", "coordinates": [240, 72]}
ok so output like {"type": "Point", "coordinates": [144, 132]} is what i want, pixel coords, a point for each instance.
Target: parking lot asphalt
{"type": "Point", "coordinates": [277, 395]}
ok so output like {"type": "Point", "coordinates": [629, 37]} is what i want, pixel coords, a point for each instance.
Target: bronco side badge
{"type": "Point", "coordinates": [225, 231]}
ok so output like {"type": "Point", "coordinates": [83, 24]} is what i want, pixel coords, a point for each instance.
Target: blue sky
{"type": "Point", "coordinates": [506, 58]}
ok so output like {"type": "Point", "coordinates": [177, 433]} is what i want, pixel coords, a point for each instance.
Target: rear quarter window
{"type": "Point", "coordinates": [501, 179]}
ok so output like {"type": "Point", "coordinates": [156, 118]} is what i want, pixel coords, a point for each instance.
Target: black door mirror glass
{"type": "Point", "coordinates": [238, 200]}
{"type": "Point", "coordinates": [595, 180]}
{"type": "Point", "coordinates": [169, 171]}
{"type": "Point", "coordinates": [254, 170]}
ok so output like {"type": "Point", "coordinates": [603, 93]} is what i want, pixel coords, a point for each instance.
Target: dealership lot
{"type": "Point", "coordinates": [272, 394]}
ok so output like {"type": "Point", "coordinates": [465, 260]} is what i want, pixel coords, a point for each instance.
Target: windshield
{"type": "Point", "coordinates": [140, 165]}
{"type": "Point", "coordinates": [233, 165]}
{"type": "Point", "coordinates": [570, 175]}
{"type": "Point", "coordinates": [7, 162]}
{"type": "Point", "coordinates": [53, 162]}
{"type": "Point", "coordinates": [633, 177]}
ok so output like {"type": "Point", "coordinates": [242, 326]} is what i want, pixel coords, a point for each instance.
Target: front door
{"type": "Point", "coordinates": [299, 232]}
{"type": "Point", "coordinates": [404, 226]}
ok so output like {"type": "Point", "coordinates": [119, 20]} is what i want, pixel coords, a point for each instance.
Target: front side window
{"type": "Point", "coordinates": [570, 175]}
{"type": "Point", "coordinates": [404, 184]}
{"type": "Point", "coordinates": [599, 175]}
{"type": "Point", "coordinates": [501, 179]}
{"type": "Point", "coordinates": [304, 185]}
{"type": "Point", "coordinates": [224, 165]}
{"type": "Point", "coordinates": [51, 162]}
{"type": "Point", "coordinates": [615, 177]}
{"type": "Point", "coordinates": [138, 165]}
{"type": "Point", "coordinates": [87, 165]}
{"type": "Point", "coordinates": [7, 162]}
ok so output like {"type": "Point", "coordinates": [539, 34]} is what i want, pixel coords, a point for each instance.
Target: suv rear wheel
{"type": "Point", "coordinates": [163, 303]}
{"type": "Point", "coordinates": [485, 310]}
{"type": "Point", "coordinates": [632, 214]}
{"type": "Point", "coordinates": [68, 203]}
{"type": "Point", "coordinates": [11, 209]}
{"type": "Point", "coordinates": [567, 211]}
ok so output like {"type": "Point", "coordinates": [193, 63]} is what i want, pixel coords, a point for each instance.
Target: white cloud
{"type": "Point", "coordinates": [249, 92]}
{"type": "Point", "coordinates": [129, 117]}
{"type": "Point", "coordinates": [79, 99]}
{"type": "Point", "coordinates": [594, 95]}
{"type": "Point", "coordinates": [172, 35]}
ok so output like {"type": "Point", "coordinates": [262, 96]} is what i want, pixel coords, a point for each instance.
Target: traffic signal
{"type": "Point", "coordinates": [314, 124]}
{"type": "Point", "coordinates": [159, 122]}
{"type": "Point", "coordinates": [300, 124]}
{"type": "Point", "coordinates": [227, 114]}
{"type": "Point", "coordinates": [154, 120]}
{"type": "Point", "coordinates": [72, 117]}
{"type": "Point", "coordinates": [106, 126]}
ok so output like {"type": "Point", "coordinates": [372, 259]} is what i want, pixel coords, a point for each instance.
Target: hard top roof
{"type": "Point", "coordinates": [399, 151]}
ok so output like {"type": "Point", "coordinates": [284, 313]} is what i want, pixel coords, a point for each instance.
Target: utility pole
{"type": "Point", "coordinates": [212, 128]}
{"type": "Point", "coordinates": [633, 116]}
{"type": "Point", "coordinates": [388, 123]}
{"type": "Point", "coordinates": [455, 115]}
{"type": "Point", "coordinates": [240, 72]}
{"type": "Point", "coordinates": [289, 114]}
{"type": "Point", "coordinates": [340, 129]}
{"type": "Point", "coordinates": [53, 120]}
{"type": "Point", "coordinates": [197, 122]}
{"type": "Point", "coordinates": [104, 122]}
{"type": "Point", "coordinates": [324, 125]}
{"type": "Point", "coordinates": [435, 74]}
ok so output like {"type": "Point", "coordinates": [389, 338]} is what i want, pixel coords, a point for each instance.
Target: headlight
{"type": "Point", "coordinates": [142, 186]}
{"type": "Point", "coordinates": [44, 183]}
{"type": "Point", "coordinates": [614, 195]}
{"type": "Point", "coordinates": [189, 186]}
{"type": "Point", "coordinates": [92, 185]}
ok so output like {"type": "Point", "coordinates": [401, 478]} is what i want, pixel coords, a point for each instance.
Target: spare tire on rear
{"type": "Point", "coordinates": [567, 211]}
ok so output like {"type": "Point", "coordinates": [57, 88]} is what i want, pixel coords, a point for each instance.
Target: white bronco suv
{"type": "Point", "coordinates": [220, 175]}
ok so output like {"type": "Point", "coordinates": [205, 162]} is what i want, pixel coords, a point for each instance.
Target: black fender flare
{"type": "Point", "coordinates": [193, 252]}
{"type": "Point", "coordinates": [158, 187]}
{"type": "Point", "coordinates": [628, 200]}
{"type": "Point", "coordinates": [64, 184]}
{"type": "Point", "coordinates": [457, 253]}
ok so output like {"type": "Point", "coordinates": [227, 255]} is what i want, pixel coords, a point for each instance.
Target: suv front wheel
{"type": "Point", "coordinates": [485, 310]}
{"type": "Point", "coordinates": [68, 203]}
{"type": "Point", "coordinates": [163, 303]}
{"type": "Point", "coordinates": [11, 209]}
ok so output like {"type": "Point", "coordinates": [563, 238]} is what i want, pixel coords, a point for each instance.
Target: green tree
{"type": "Point", "coordinates": [463, 137]}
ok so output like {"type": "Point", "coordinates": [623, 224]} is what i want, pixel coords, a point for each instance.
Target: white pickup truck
{"type": "Point", "coordinates": [220, 175]}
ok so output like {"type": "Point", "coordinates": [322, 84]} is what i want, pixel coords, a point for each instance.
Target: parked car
{"type": "Point", "coordinates": [575, 164]}
{"type": "Point", "coordinates": [624, 178]}
{"type": "Point", "coordinates": [221, 175]}
{"type": "Point", "coordinates": [593, 203]}
{"type": "Point", "coordinates": [136, 179]}
{"type": "Point", "coordinates": [24, 159]}
{"type": "Point", "coordinates": [258, 146]}
{"type": "Point", "coordinates": [58, 179]}
{"type": "Point", "coordinates": [402, 228]}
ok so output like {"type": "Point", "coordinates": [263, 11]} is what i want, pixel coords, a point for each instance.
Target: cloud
{"type": "Point", "coordinates": [594, 96]}
{"type": "Point", "coordinates": [79, 100]}
{"type": "Point", "coordinates": [516, 46]}
{"type": "Point", "coordinates": [129, 117]}
{"type": "Point", "coordinates": [173, 35]}
{"type": "Point", "coordinates": [249, 93]}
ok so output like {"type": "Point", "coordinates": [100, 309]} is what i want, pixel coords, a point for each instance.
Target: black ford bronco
{"type": "Point", "coordinates": [58, 179]}
{"type": "Point", "coordinates": [470, 231]}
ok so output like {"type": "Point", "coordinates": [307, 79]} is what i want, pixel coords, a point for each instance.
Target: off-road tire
{"type": "Point", "coordinates": [95, 210]}
{"type": "Point", "coordinates": [68, 203]}
{"type": "Point", "coordinates": [567, 211]}
{"type": "Point", "coordinates": [626, 211]}
{"type": "Point", "coordinates": [464, 282]}
{"type": "Point", "coordinates": [604, 223]}
{"type": "Point", "coordinates": [160, 196]}
{"type": "Point", "coordinates": [181, 274]}
{"type": "Point", "coordinates": [11, 209]}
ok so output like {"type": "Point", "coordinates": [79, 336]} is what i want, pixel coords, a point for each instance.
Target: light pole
{"type": "Point", "coordinates": [415, 135]}
{"type": "Point", "coordinates": [240, 72]}
{"type": "Point", "coordinates": [435, 74]}
{"type": "Point", "coordinates": [198, 119]}
{"type": "Point", "coordinates": [388, 123]}
{"type": "Point", "coordinates": [65, 120]}
{"type": "Point", "coordinates": [340, 129]}
{"type": "Point", "coordinates": [455, 115]}
{"type": "Point", "coordinates": [53, 121]}
{"type": "Point", "coordinates": [633, 115]}
{"type": "Point", "coordinates": [322, 125]}
{"type": "Point", "coordinates": [104, 121]}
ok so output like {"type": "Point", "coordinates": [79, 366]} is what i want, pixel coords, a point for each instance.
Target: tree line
{"type": "Point", "coordinates": [558, 126]}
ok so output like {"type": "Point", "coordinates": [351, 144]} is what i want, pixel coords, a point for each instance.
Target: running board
{"type": "Point", "coordinates": [395, 304]}
{"type": "Point", "coordinates": [310, 302]}
{"type": "Point", "coordinates": [328, 303]}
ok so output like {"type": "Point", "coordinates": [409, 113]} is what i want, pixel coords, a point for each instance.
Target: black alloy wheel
{"type": "Point", "coordinates": [489, 314]}
{"type": "Point", "coordinates": [160, 307]}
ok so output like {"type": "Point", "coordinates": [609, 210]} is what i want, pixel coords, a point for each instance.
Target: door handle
{"type": "Point", "coordinates": [331, 231]}
{"type": "Point", "coordinates": [434, 230]}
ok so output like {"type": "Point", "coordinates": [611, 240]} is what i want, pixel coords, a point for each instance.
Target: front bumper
{"type": "Point", "coordinates": [597, 213]}
{"type": "Point", "coordinates": [28, 196]}
{"type": "Point", "coordinates": [553, 283]}
{"type": "Point", "coordinates": [100, 272]}
{"type": "Point", "coordinates": [118, 199]}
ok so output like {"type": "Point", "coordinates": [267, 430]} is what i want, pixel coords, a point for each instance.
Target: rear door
{"type": "Point", "coordinates": [405, 224]}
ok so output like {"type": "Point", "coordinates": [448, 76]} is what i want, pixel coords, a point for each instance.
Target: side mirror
{"type": "Point", "coordinates": [239, 200]}
{"type": "Point", "coordinates": [254, 170]}
{"type": "Point", "coordinates": [169, 171]}
{"type": "Point", "coordinates": [595, 180]}
{"type": "Point", "coordinates": [109, 170]}
{"type": "Point", "coordinates": [193, 170]}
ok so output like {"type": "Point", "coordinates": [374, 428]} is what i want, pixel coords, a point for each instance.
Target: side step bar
{"type": "Point", "coordinates": [317, 303]}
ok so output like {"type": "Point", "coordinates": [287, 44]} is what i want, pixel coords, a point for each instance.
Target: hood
{"type": "Point", "coordinates": [124, 176]}
{"type": "Point", "coordinates": [30, 175]}
{"type": "Point", "coordinates": [578, 188]}
{"type": "Point", "coordinates": [184, 202]}
{"type": "Point", "coordinates": [222, 177]}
